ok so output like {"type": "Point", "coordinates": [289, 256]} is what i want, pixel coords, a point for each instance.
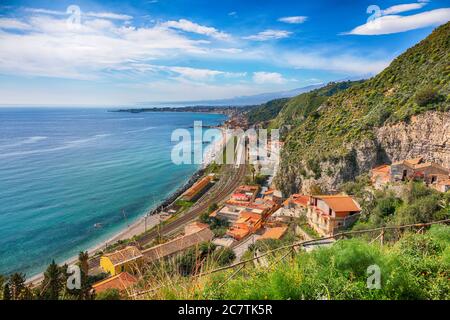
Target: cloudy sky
{"type": "Point", "coordinates": [127, 52]}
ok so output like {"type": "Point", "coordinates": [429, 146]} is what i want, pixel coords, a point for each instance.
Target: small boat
{"type": "Point", "coordinates": [97, 225]}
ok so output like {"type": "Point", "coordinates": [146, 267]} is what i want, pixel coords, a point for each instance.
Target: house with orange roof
{"type": "Point", "coordinates": [127, 259]}
{"type": "Point", "coordinates": [328, 214]}
{"type": "Point", "coordinates": [249, 191]}
{"type": "Point", "coordinates": [247, 223]}
{"type": "Point", "coordinates": [409, 169]}
{"type": "Point", "coordinates": [122, 282]}
{"type": "Point", "coordinates": [442, 184]}
{"type": "Point", "coordinates": [174, 247]}
{"type": "Point", "coordinates": [380, 175]}
{"type": "Point", "coordinates": [194, 227]}
{"type": "Point", "coordinates": [273, 195]}
{"type": "Point", "coordinates": [274, 233]}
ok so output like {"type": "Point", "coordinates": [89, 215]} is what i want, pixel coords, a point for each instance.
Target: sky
{"type": "Point", "coordinates": [112, 52]}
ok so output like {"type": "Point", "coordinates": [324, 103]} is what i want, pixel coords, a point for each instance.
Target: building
{"type": "Point", "coordinates": [247, 223]}
{"type": "Point", "coordinates": [194, 192]}
{"type": "Point", "coordinates": [180, 244]}
{"type": "Point", "coordinates": [274, 195]}
{"type": "Point", "coordinates": [194, 227]}
{"type": "Point", "coordinates": [245, 193]}
{"type": "Point", "coordinates": [410, 169]}
{"type": "Point", "coordinates": [442, 184]}
{"type": "Point", "coordinates": [381, 175]}
{"type": "Point", "coordinates": [274, 233]}
{"type": "Point", "coordinates": [329, 214]}
{"type": "Point", "coordinates": [122, 282]}
{"type": "Point", "coordinates": [127, 259]}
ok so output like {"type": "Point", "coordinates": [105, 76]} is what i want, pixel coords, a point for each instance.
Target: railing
{"type": "Point", "coordinates": [291, 248]}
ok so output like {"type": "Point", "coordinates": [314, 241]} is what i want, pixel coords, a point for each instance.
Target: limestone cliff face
{"type": "Point", "coordinates": [426, 135]}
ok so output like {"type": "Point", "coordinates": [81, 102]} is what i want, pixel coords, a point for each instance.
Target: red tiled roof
{"type": "Point", "coordinates": [382, 169]}
{"type": "Point", "coordinates": [274, 233]}
{"type": "Point", "coordinates": [340, 203]}
{"type": "Point", "coordinates": [121, 256]}
{"type": "Point", "coordinates": [121, 282]}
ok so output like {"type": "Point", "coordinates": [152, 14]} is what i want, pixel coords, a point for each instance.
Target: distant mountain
{"type": "Point", "coordinates": [243, 100]}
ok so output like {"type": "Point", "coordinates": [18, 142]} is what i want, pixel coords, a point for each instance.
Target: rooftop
{"type": "Point", "coordinates": [119, 257]}
{"type": "Point", "coordinates": [340, 203]}
{"type": "Point", "coordinates": [121, 282]}
{"type": "Point", "coordinates": [177, 245]}
{"type": "Point", "coordinates": [274, 233]}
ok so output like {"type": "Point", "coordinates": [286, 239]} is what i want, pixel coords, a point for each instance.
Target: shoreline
{"type": "Point", "coordinates": [151, 215]}
{"type": "Point", "coordinates": [134, 229]}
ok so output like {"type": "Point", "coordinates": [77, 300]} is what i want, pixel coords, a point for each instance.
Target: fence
{"type": "Point", "coordinates": [291, 248]}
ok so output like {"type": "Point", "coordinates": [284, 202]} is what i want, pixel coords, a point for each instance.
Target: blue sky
{"type": "Point", "coordinates": [127, 52]}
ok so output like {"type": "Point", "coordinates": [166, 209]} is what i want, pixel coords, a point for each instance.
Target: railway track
{"type": "Point", "coordinates": [217, 194]}
{"type": "Point", "coordinates": [202, 205]}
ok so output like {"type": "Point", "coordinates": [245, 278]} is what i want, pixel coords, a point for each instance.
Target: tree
{"type": "Point", "coordinates": [6, 292]}
{"type": "Point", "coordinates": [53, 282]}
{"type": "Point", "coordinates": [83, 262]}
{"type": "Point", "coordinates": [17, 286]}
{"type": "Point", "coordinates": [212, 207]}
{"type": "Point", "coordinates": [2, 283]}
{"type": "Point", "coordinates": [224, 256]}
{"type": "Point", "coordinates": [204, 217]}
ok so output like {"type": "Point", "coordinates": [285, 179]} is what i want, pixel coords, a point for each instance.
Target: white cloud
{"type": "Point", "coordinates": [395, 23]}
{"type": "Point", "coordinates": [199, 74]}
{"type": "Point", "coordinates": [345, 63]}
{"type": "Point", "coordinates": [293, 19]}
{"type": "Point", "coordinates": [403, 8]}
{"type": "Point", "coordinates": [269, 35]}
{"type": "Point", "coordinates": [268, 77]}
{"type": "Point", "coordinates": [189, 26]}
{"type": "Point", "coordinates": [13, 24]}
{"type": "Point", "coordinates": [54, 50]}
{"type": "Point", "coordinates": [109, 15]}
{"type": "Point", "coordinates": [103, 15]}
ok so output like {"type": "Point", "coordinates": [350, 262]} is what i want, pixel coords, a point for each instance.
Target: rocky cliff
{"type": "Point", "coordinates": [426, 135]}
{"type": "Point", "coordinates": [401, 113]}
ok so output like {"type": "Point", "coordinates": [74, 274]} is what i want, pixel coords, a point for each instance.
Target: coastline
{"type": "Point", "coordinates": [151, 215]}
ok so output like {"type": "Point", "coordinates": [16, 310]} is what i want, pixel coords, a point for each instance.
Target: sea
{"type": "Point", "coordinates": [71, 178]}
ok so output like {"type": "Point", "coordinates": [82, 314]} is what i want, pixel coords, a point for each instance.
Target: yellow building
{"type": "Point", "coordinates": [127, 259]}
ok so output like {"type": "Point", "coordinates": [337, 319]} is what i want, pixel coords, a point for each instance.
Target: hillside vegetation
{"type": "Point", "coordinates": [417, 81]}
{"type": "Point", "coordinates": [266, 111]}
{"type": "Point", "coordinates": [416, 267]}
{"type": "Point", "coordinates": [298, 108]}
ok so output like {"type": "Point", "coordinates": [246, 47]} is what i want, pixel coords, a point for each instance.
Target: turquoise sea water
{"type": "Point", "coordinates": [64, 170]}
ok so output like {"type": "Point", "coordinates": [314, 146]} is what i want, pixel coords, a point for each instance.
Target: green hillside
{"type": "Point", "coordinates": [415, 82]}
{"type": "Point", "coordinates": [266, 111]}
{"type": "Point", "coordinates": [298, 108]}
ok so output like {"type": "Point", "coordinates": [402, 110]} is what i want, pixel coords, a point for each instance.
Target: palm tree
{"type": "Point", "coordinates": [6, 292]}
{"type": "Point", "coordinates": [53, 282]}
{"type": "Point", "coordinates": [17, 285]}
{"type": "Point", "coordinates": [83, 263]}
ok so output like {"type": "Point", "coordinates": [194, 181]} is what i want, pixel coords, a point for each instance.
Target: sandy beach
{"type": "Point", "coordinates": [139, 226]}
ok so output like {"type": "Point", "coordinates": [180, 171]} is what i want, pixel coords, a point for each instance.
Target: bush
{"type": "Point", "coordinates": [426, 96]}
{"type": "Point", "coordinates": [108, 294]}
{"type": "Point", "coordinates": [224, 256]}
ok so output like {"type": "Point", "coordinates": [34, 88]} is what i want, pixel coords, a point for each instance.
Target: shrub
{"type": "Point", "coordinates": [108, 294]}
{"type": "Point", "coordinates": [426, 96]}
{"type": "Point", "coordinates": [224, 256]}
